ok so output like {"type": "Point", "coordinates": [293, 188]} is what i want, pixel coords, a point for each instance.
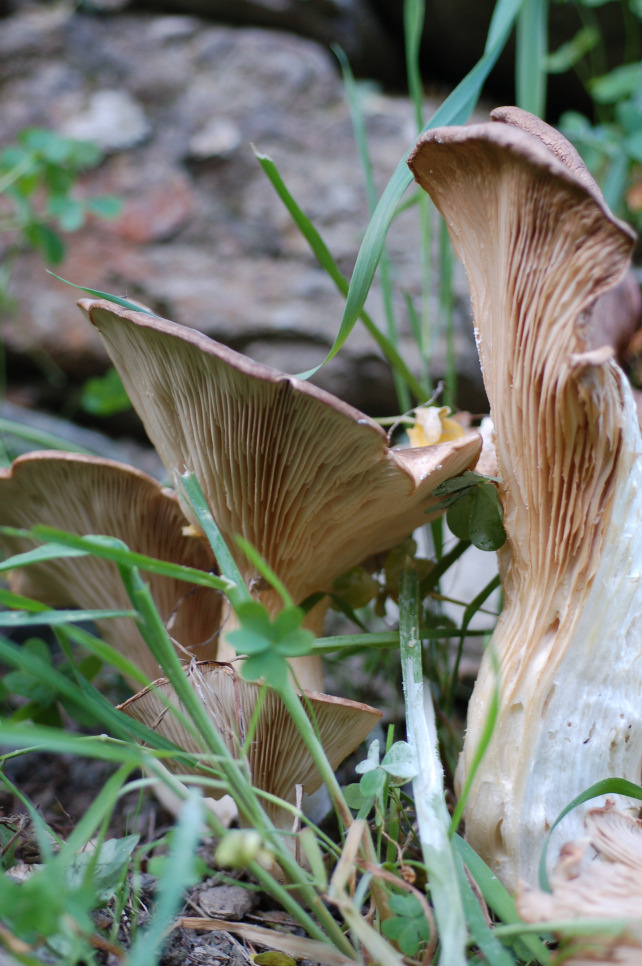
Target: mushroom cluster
{"type": "Point", "coordinates": [540, 246]}
{"type": "Point", "coordinates": [309, 481]}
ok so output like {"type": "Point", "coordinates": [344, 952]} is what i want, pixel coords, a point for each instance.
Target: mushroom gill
{"type": "Point", "coordinates": [309, 481]}
{"type": "Point", "coordinates": [90, 495]}
{"type": "Point", "coordinates": [276, 756]}
{"type": "Point", "coordinates": [599, 879]}
{"type": "Point", "coordinates": [540, 246]}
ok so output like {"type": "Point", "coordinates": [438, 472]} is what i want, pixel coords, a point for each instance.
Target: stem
{"type": "Point", "coordinates": [428, 786]}
{"type": "Point", "coordinates": [305, 728]}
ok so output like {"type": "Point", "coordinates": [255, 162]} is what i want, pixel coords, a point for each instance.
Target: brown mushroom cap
{"type": "Point", "coordinates": [89, 495]}
{"type": "Point", "coordinates": [277, 757]}
{"type": "Point", "coordinates": [540, 246]}
{"type": "Point", "coordinates": [307, 479]}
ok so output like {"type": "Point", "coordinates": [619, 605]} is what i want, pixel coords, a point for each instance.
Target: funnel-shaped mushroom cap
{"type": "Point", "coordinates": [277, 757]}
{"type": "Point", "coordinates": [599, 878]}
{"type": "Point", "coordinates": [88, 495]}
{"type": "Point", "coordinates": [308, 480]}
{"type": "Point", "coordinates": [539, 246]}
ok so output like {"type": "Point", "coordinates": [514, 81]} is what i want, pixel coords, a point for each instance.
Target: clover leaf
{"type": "Point", "coordinates": [269, 643]}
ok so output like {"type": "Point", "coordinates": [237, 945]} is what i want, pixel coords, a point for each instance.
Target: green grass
{"type": "Point", "coordinates": [393, 849]}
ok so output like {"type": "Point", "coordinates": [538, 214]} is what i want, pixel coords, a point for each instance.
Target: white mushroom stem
{"type": "Point", "coordinates": [539, 246]}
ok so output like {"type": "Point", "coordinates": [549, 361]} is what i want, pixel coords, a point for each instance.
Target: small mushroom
{"type": "Point", "coordinates": [540, 246]}
{"type": "Point", "coordinates": [309, 481]}
{"type": "Point", "coordinates": [598, 878]}
{"type": "Point", "coordinates": [89, 495]}
{"type": "Point", "coordinates": [277, 757]}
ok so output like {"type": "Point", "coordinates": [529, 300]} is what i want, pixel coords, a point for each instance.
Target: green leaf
{"type": "Point", "coordinates": [408, 934]}
{"type": "Point", "coordinates": [530, 56]}
{"type": "Point", "coordinates": [48, 241]}
{"type": "Point", "coordinates": [354, 796]}
{"type": "Point", "coordinates": [487, 522]}
{"type": "Point", "coordinates": [105, 295]}
{"type": "Point", "coordinates": [477, 516]}
{"type": "Point", "coordinates": [104, 871]}
{"type": "Point", "coordinates": [480, 931]}
{"type": "Point", "coordinates": [372, 783]}
{"type": "Point", "coordinates": [633, 146]}
{"type": "Point", "coordinates": [254, 617]}
{"type": "Point", "coordinates": [454, 110]}
{"type": "Point", "coordinates": [52, 617]}
{"type": "Point", "coordinates": [105, 395]}
{"type": "Point", "coordinates": [181, 871]}
{"type": "Point", "coordinates": [105, 206]}
{"type": "Point", "coordinates": [399, 762]}
{"type": "Point", "coordinates": [460, 513]}
{"type": "Point", "coordinates": [568, 54]}
{"type": "Point", "coordinates": [196, 498]}
{"type": "Point", "coordinates": [405, 904]}
{"type": "Point", "coordinates": [327, 262]}
{"type": "Point", "coordinates": [287, 622]}
{"type": "Point", "coordinates": [69, 213]}
{"type": "Point", "coordinates": [500, 901]}
{"type": "Point", "coordinates": [617, 84]}
{"type": "Point", "coordinates": [269, 666]}
{"type": "Point", "coordinates": [49, 145]}
{"type": "Point", "coordinates": [50, 551]}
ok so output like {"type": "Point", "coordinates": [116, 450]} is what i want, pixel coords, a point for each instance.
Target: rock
{"type": "Point", "coordinates": [203, 238]}
{"type": "Point", "coordinates": [111, 119]}
{"type": "Point", "coordinates": [352, 24]}
{"type": "Point", "coordinates": [225, 902]}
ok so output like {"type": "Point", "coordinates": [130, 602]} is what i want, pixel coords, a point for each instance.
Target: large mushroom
{"type": "Point", "coordinates": [540, 246]}
{"type": "Point", "coordinates": [309, 481]}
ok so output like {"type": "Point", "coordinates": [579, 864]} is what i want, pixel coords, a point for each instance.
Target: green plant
{"type": "Point", "coordinates": [37, 199]}
{"type": "Point", "coordinates": [400, 856]}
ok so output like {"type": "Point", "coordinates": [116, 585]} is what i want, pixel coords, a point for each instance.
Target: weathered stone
{"type": "Point", "coordinates": [226, 902]}
{"type": "Point", "coordinates": [203, 238]}
{"type": "Point", "coordinates": [111, 119]}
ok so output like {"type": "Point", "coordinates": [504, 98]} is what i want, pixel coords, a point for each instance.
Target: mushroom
{"type": "Point", "coordinates": [597, 878]}
{"type": "Point", "coordinates": [309, 481]}
{"type": "Point", "coordinates": [89, 495]}
{"type": "Point", "coordinates": [540, 246]}
{"type": "Point", "coordinates": [277, 757]}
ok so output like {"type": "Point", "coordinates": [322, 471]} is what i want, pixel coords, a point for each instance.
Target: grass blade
{"type": "Point", "coordinates": [327, 262]}
{"type": "Point", "coordinates": [428, 787]}
{"type": "Point", "coordinates": [359, 129]}
{"type": "Point", "coordinates": [454, 110]}
{"type": "Point", "coordinates": [236, 588]}
{"type": "Point", "coordinates": [124, 303]}
{"type": "Point", "coordinates": [530, 57]}
{"type": "Point", "coordinates": [179, 874]}
{"type": "Point", "coordinates": [500, 901]}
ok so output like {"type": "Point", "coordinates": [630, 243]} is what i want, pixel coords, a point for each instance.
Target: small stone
{"type": "Point", "coordinates": [112, 119]}
{"type": "Point", "coordinates": [218, 139]}
{"type": "Point", "coordinates": [226, 902]}
{"type": "Point", "coordinates": [157, 212]}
